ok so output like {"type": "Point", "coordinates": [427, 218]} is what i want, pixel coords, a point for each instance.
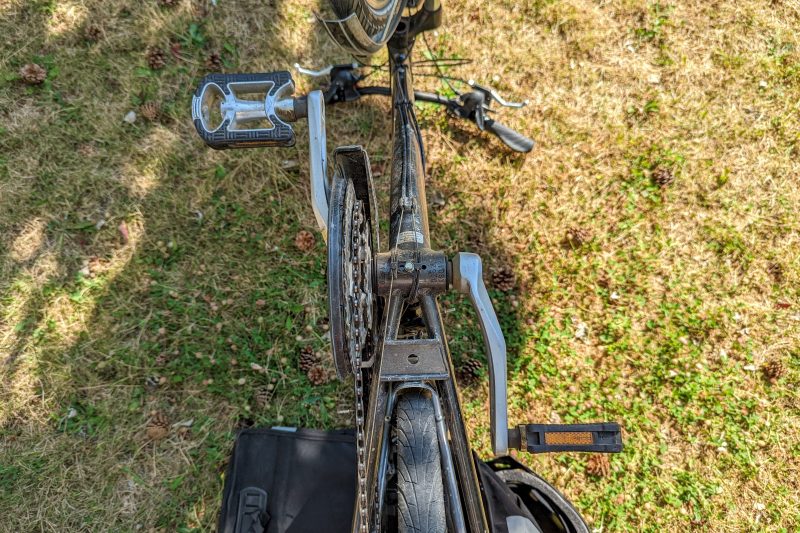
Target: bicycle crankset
{"type": "Point", "coordinates": [352, 243]}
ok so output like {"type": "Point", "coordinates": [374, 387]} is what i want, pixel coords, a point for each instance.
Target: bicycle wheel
{"type": "Point", "coordinates": [364, 26]}
{"type": "Point", "coordinates": [373, 15]}
{"type": "Point", "coordinates": [420, 490]}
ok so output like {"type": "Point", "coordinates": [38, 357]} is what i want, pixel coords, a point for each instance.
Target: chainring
{"type": "Point", "coordinates": [350, 277]}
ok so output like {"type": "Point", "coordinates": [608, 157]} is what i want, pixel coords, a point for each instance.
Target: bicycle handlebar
{"type": "Point", "coordinates": [510, 137]}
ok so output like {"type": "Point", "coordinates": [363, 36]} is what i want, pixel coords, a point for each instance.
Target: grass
{"type": "Point", "coordinates": [142, 272]}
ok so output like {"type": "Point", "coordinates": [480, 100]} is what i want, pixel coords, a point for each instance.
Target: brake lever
{"type": "Point", "coordinates": [323, 71]}
{"type": "Point", "coordinates": [313, 73]}
{"type": "Point", "coordinates": [491, 94]}
{"type": "Point", "coordinates": [342, 81]}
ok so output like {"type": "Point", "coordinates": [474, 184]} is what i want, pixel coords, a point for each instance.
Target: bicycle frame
{"type": "Point", "coordinates": [410, 296]}
{"type": "Point", "coordinates": [406, 345]}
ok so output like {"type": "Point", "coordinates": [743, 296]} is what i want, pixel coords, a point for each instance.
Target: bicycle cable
{"type": "Point", "coordinates": [438, 67]}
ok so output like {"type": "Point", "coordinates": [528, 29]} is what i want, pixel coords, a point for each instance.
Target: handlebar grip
{"type": "Point", "coordinates": [513, 139]}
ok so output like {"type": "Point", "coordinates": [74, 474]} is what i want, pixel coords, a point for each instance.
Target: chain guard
{"type": "Point", "coordinates": [351, 260]}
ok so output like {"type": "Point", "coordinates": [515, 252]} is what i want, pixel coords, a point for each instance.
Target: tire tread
{"type": "Point", "coordinates": [420, 505]}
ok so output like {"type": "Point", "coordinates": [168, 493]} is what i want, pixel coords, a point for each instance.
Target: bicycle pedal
{"type": "Point", "coordinates": [603, 437]}
{"type": "Point", "coordinates": [245, 110]}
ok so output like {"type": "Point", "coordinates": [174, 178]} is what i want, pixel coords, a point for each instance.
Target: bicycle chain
{"type": "Point", "coordinates": [358, 280]}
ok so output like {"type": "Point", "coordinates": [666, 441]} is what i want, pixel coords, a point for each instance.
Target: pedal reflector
{"type": "Point", "coordinates": [603, 437]}
{"type": "Point", "coordinates": [568, 438]}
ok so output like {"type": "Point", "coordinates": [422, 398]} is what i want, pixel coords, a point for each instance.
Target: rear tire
{"type": "Point", "coordinates": [420, 490]}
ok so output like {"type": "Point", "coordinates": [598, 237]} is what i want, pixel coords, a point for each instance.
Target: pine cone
{"type": "Point", "coordinates": [156, 58]}
{"type": "Point", "coordinates": [32, 74]}
{"type": "Point", "coordinates": [598, 465]}
{"type": "Point", "coordinates": [663, 177]}
{"type": "Point", "coordinates": [470, 370]}
{"type": "Point", "coordinates": [93, 33]}
{"type": "Point", "coordinates": [158, 427]}
{"type": "Point", "coordinates": [773, 370]}
{"type": "Point", "coordinates": [304, 240]}
{"type": "Point", "coordinates": [150, 110]}
{"type": "Point", "coordinates": [776, 271]}
{"type": "Point", "coordinates": [504, 279]}
{"type": "Point", "coordinates": [200, 10]}
{"type": "Point", "coordinates": [87, 150]}
{"type": "Point", "coordinates": [317, 375]}
{"type": "Point", "coordinates": [214, 62]}
{"type": "Point", "coordinates": [244, 422]}
{"type": "Point", "coordinates": [577, 236]}
{"type": "Point", "coordinates": [263, 396]}
{"type": "Point", "coordinates": [307, 359]}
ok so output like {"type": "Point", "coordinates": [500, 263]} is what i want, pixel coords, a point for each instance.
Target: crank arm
{"type": "Point", "coordinates": [318, 158]}
{"type": "Point", "coordinates": [468, 279]}
{"type": "Point", "coordinates": [324, 71]}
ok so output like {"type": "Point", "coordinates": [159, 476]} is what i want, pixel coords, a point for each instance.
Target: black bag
{"type": "Point", "coordinates": [286, 480]}
{"type": "Point", "coordinates": [305, 480]}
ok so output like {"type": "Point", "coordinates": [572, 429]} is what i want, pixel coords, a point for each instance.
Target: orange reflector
{"type": "Point", "coordinates": [569, 438]}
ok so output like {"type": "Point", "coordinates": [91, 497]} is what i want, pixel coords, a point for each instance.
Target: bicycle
{"type": "Point", "coordinates": [415, 467]}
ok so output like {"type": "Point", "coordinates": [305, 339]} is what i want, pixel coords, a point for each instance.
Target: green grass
{"type": "Point", "coordinates": [141, 272]}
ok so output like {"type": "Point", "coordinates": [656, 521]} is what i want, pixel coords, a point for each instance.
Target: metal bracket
{"type": "Point", "coordinates": [468, 279]}
{"type": "Point", "coordinates": [407, 271]}
{"type": "Point", "coordinates": [421, 359]}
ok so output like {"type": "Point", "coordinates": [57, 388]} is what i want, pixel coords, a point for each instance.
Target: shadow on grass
{"type": "Point", "coordinates": [161, 271]}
